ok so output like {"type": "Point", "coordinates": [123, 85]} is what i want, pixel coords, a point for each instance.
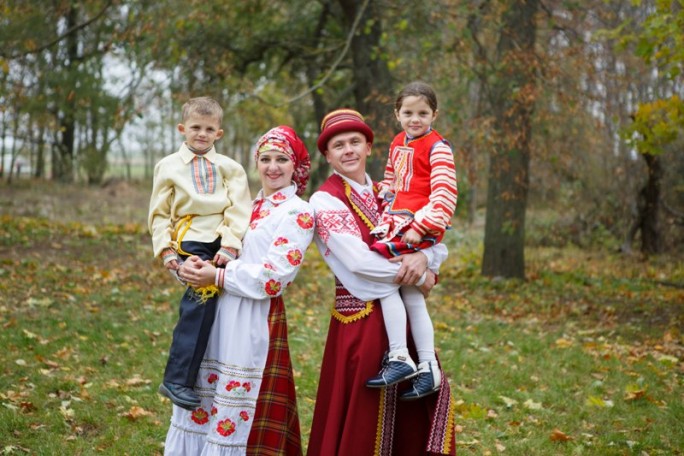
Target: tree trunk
{"type": "Point", "coordinates": [64, 162]}
{"type": "Point", "coordinates": [512, 99]}
{"type": "Point", "coordinates": [39, 169]}
{"type": "Point", "coordinates": [651, 239]}
{"type": "Point", "coordinates": [373, 87]}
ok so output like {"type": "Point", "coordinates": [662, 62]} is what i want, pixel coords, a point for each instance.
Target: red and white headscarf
{"type": "Point", "coordinates": [284, 139]}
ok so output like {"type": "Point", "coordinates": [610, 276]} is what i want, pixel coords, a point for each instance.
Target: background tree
{"type": "Point", "coordinates": [509, 83]}
{"type": "Point", "coordinates": [536, 97]}
{"type": "Point", "coordinates": [657, 124]}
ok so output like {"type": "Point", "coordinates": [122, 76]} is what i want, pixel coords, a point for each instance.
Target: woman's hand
{"type": "Point", "coordinates": [197, 272]}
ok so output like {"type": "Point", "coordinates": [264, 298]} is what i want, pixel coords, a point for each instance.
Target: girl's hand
{"type": "Point", "coordinates": [429, 283]}
{"type": "Point", "coordinates": [411, 237]}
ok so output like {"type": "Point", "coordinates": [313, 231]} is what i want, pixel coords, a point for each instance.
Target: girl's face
{"type": "Point", "coordinates": [275, 170]}
{"type": "Point", "coordinates": [415, 115]}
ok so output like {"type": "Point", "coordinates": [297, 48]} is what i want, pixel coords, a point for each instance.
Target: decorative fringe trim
{"type": "Point", "coordinates": [182, 227]}
{"type": "Point", "coordinates": [359, 212]}
{"type": "Point", "coordinates": [203, 294]}
{"type": "Point", "coordinates": [381, 424]}
{"type": "Point", "coordinates": [346, 319]}
{"type": "Point", "coordinates": [451, 426]}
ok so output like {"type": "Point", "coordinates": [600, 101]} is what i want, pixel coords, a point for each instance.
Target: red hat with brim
{"type": "Point", "coordinates": [341, 121]}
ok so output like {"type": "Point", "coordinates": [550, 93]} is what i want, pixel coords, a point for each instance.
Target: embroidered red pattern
{"type": "Point", "coordinates": [200, 416]}
{"type": "Point", "coordinates": [305, 220]}
{"type": "Point", "coordinates": [225, 427]}
{"type": "Point", "coordinates": [341, 222]}
{"type": "Point", "coordinates": [232, 385]}
{"type": "Point", "coordinates": [272, 287]}
{"type": "Point", "coordinates": [295, 257]}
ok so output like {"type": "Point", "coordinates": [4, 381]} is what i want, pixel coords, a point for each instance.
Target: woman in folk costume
{"type": "Point", "coordinates": [350, 418]}
{"type": "Point", "coordinates": [248, 402]}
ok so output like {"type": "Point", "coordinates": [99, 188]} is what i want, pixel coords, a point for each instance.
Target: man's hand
{"type": "Point", "coordinates": [413, 265]}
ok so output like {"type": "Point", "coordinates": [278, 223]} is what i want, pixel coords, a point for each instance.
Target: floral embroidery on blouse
{"type": "Point", "coordinates": [295, 257]}
{"type": "Point", "coordinates": [212, 378]}
{"type": "Point", "coordinates": [279, 196]}
{"type": "Point", "coordinates": [272, 287]}
{"type": "Point", "coordinates": [231, 385]}
{"type": "Point", "coordinates": [305, 220]}
{"type": "Point", "coordinates": [244, 415]}
{"type": "Point", "coordinates": [280, 241]}
{"type": "Point", "coordinates": [200, 416]}
{"type": "Point", "coordinates": [225, 427]}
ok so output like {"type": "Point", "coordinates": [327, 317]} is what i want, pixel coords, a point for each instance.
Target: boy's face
{"type": "Point", "coordinates": [200, 131]}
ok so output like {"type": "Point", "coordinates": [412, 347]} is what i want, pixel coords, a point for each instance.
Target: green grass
{"type": "Point", "coordinates": [590, 346]}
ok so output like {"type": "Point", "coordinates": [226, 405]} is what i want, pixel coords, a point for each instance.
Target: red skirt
{"type": "Point", "coordinates": [350, 418]}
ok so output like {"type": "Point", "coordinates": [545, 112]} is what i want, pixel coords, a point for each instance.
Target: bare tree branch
{"type": "Point", "coordinates": [60, 37]}
{"type": "Point", "coordinates": [337, 62]}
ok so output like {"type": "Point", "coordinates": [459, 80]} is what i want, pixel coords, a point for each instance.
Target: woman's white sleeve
{"type": "Point", "coordinates": [281, 261]}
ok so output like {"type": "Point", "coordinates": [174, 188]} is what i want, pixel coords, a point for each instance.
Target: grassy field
{"type": "Point", "coordinates": [586, 357]}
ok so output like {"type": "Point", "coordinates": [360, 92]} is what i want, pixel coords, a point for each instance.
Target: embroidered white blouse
{"type": "Point", "coordinates": [232, 369]}
{"type": "Point", "coordinates": [366, 274]}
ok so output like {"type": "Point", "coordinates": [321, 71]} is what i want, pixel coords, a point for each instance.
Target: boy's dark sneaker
{"type": "Point", "coordinates": [181, 395]}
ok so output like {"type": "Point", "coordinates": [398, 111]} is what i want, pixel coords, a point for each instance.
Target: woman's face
{"type": "Point", "coordinates": [275, 170]}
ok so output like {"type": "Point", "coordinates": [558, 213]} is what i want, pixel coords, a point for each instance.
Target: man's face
{"type": "Point", "coordinates": [347, 153]}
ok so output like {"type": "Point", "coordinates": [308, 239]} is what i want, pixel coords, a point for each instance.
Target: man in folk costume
{"type": "Point", "coordinates": [349, 417]}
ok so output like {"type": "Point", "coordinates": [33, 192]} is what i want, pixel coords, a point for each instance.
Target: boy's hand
{"type": "Point", "coordinates": [411, 237]}
{"type": "Point", "coordinates": [224, 255]}
{"type": "Point", "coordinates": [170, 259]}
{"type": "Point", "coordinates": [220, 260]}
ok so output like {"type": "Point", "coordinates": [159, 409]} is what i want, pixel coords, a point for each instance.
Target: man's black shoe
{"type": "Point", "coordinates": [180, 395]}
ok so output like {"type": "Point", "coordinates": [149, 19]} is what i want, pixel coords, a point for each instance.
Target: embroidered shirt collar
{"type": "Point", "coordinates": [358, 188]}
{"type": "Point", "coordinates": [187, 155]}
{"type": "Point", "coordinates": [278, 197]}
